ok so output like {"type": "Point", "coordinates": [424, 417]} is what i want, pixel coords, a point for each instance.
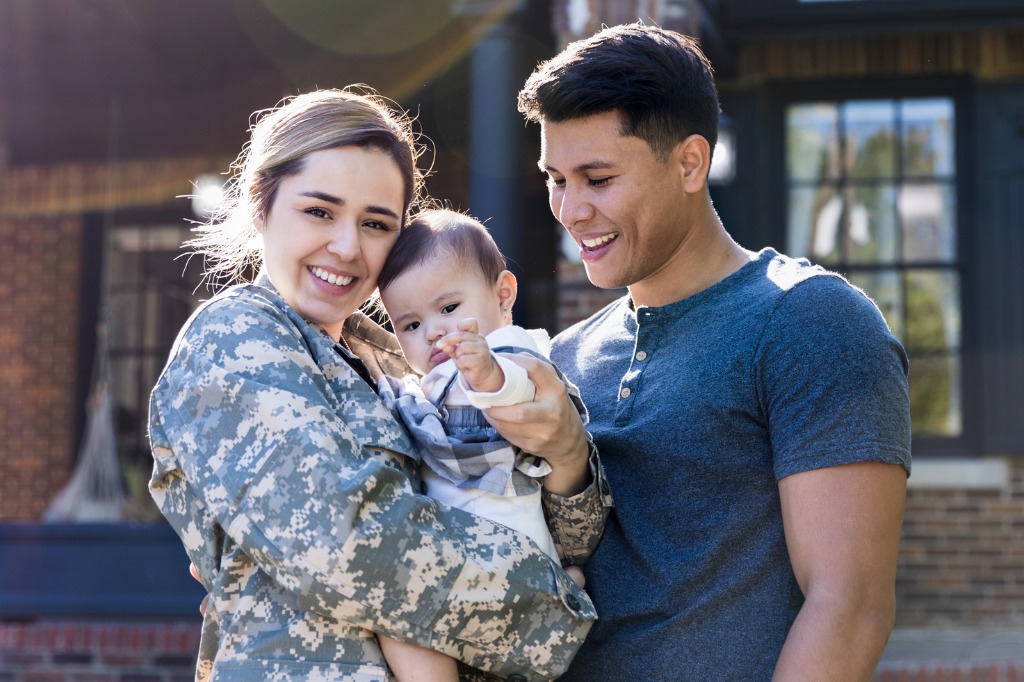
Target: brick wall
{"type": "Point", "coordinates": [98, 652]}
{"type": "Point", "coordinates": [961, 558]}
{"type": "Point", "coordinates": [577, 297]}
{"type": "Point", "coordinates": [39, 307]}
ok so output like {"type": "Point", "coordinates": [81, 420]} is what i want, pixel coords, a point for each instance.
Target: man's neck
{"type": "Point", "coordinates": [709, 259]}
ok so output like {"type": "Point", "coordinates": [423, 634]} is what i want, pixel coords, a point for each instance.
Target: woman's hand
{"type": "Point", "coordinates": [206, 599]}
{"type": "Point", "coordinates": [549, 427]}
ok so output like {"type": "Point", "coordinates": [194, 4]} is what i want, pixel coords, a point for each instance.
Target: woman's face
{"type": "Point", "coordinates": [329, 230]}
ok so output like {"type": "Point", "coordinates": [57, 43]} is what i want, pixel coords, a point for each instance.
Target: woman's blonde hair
{"type": "Point", "coordinates": [280, 140]}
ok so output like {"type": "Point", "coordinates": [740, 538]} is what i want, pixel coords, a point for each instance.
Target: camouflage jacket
{"type": "Point", "coordinates": [294, 493]}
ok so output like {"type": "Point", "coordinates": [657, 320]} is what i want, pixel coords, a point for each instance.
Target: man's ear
{"type": "Point", "coordinates": [508, 287]}
{"type": "Point", "coordinates": [694, 158]}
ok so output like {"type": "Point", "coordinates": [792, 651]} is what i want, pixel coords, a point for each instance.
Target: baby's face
{"type": "Point", "coordinates": [429, 301]}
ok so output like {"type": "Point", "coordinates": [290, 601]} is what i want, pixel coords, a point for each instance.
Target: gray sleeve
{"type": "Point", "coordinates": [832, 380]}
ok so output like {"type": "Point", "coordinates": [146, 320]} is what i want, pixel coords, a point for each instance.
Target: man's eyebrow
{"type": "Point", "coordinates": [338, 201]}
{"type": "Point", "coordinates": [582, 168]}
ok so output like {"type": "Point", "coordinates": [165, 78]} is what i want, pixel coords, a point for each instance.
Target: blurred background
{"type": "Point", "coordinates": [881, 138]}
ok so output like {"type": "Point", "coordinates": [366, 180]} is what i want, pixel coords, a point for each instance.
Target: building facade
{"type": "Point", "coordinates": [884, 139]}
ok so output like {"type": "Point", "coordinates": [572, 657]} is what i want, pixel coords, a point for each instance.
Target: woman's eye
{"type": "Point", "coordinates": [556, 182]}
{"type": "Point", "coordinates": [379, 226]}
{"type": "Point", "coordinates": [318, 212]}
{"type": "Point", "coordinates": [450, 308]}
{"type": "Point", "coordinates": [598, 182]}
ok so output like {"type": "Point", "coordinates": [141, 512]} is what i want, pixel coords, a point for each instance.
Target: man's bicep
{"type": "Point", "coordinates": [842, 523]}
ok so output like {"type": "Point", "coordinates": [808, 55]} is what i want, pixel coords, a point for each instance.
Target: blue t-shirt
{"type": "Point", "coordinates": [698, 408]}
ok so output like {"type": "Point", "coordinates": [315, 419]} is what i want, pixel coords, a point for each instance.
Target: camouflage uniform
{"type": "Point", "coordinates": [292, 489]}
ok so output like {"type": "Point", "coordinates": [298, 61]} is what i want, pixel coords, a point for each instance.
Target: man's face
{"type": "Point", "coordinates": [623, 206]}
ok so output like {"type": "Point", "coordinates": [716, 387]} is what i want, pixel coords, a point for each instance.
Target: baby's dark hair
{"type": "Point", "coordinates": [443, 233]}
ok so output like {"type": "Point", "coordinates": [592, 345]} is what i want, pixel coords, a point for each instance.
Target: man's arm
{"type": "Point", "coordinates": [577, 498]}
{"type": "Point", "coordinates": [549, 427]}
{"type": "Point", "coordinates": [842, 526]}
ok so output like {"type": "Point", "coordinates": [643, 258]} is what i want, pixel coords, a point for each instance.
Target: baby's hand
{"type": "Point", "coordinates": [473, 358]}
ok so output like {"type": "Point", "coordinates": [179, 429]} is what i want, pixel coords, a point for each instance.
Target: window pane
{"type": "Point", "coordinates": [812, 142]}
{"type": "Point", "coordinates": [886, 290]}
{"type": "Point", "coordinates": [933, 311]}
{"type": "Point", "coordinates": [928, 149]}
{"type": "Point", "coordinates": [814, 223]}
{"type": "Point", "coordinates": [870, 139]}
{"type": "Point", "coordinates": [935, 396]}
{"type": "Point", "coordinates": [928, 222]}
{"type": "Point", "coordinates": [871, 225]}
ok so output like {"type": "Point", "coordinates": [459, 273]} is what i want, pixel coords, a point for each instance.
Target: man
{"type": "Point", "coordinates": [751, 410]}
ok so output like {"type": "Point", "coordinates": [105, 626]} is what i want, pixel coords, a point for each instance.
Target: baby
{"type": "Point", "coordinates": [449, 297]}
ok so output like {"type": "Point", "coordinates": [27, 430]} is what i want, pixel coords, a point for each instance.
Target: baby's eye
{"type": "Point", "coordinates": [449, 309]}
{"type": "Point", "coordinates": [318, 212]}
{"type": "Point", "coordinates": [411, 327]}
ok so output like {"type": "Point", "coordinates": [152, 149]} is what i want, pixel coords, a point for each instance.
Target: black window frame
{"type": "Point", "coordinates": [771, 131]}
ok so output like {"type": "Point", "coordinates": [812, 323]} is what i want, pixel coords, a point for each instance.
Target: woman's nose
{"type": "Point", "coordinates": [344, 242]}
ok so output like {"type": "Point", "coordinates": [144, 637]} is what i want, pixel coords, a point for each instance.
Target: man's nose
{"type": "Point", "coordinates": [573, 206]}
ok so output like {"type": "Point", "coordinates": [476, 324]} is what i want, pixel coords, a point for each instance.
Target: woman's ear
{"type": "Point", "coordinates": [694, 158]}
{"type": "Point", "coordinates": [507, 289]}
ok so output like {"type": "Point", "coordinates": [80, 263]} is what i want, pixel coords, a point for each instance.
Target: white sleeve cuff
{"type": "Point", "coordinates": [517, 387]}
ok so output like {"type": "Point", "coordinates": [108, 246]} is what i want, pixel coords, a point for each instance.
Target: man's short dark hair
{"type": "Point", "coordinates": [659, 81]}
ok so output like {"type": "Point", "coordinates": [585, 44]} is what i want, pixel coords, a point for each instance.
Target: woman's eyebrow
{"type": "Point", "coordinates": [382, 210]}
{"type": "Point", "coordinates": [338, 201]}
{"type": "Point", "coordinates": [323, 196]}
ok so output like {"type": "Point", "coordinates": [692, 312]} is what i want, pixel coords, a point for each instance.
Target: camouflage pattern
{"type": "Point", "coordinates": [292, 489]}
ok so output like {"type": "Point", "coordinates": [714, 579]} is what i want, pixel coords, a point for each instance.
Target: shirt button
{"type": "Point", "coordinates": [572, 602]}
{"type": "Point", "coordinates": [625, 393]}
{"type": "Point", "coordinates": [641, 355]}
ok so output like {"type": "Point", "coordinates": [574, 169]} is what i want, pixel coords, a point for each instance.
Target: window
{"type": "Point", "coordinates": [148, 296]}
{"type": "Point", "coordinates": [872, 193]}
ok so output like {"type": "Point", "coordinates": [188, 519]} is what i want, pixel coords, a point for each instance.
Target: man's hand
{"type": "Point", "coordinates": [549, 427]}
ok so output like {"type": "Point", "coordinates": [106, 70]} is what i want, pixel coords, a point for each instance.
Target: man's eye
{"type": "Point", "coordinates": [318, 212]}
{"type": "Point", "coordinates": [450, 308]}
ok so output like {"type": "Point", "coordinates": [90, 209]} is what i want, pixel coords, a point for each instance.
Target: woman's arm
{"type": "Point", "coordinates": [246, 431]}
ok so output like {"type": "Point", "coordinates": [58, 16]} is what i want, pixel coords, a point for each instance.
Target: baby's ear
{"type": "Point", "coordinates": [507, 288]}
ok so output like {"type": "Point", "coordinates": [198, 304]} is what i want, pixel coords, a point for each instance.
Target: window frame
{"type": "Point", "coordinates": [772, 129]}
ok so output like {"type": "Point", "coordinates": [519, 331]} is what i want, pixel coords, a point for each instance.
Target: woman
{"type": "Point", "coordinates": [291, 486]}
